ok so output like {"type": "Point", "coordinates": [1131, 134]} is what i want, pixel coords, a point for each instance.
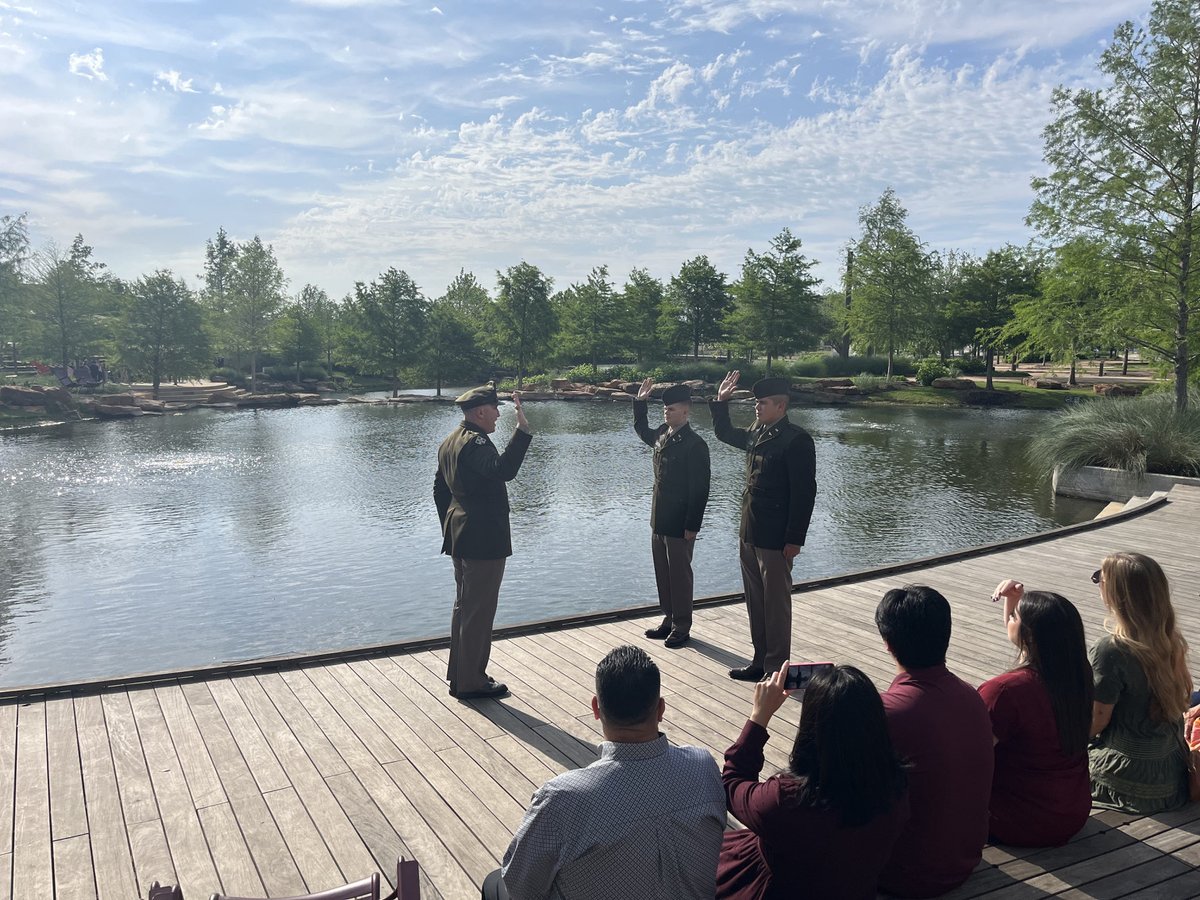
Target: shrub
{"type": "Point", "coordinates": [313, 372]}
{"type": "Point", "coordinates": [867, 382]}
{"type": "Point", "coordinates": [227, 374]}
{"type": "Point", "coordinates": [965, 366]}
{"type": "Point", "coordinates": [537, 380]}
{"type": "Point", "coordinates": [828, 365]}
{"type": "Point", "coordinates": [1139, 435]}
{"type": "Point", "coordinates": [930, 369]}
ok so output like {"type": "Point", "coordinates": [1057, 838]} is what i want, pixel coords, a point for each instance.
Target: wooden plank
{"type": "Point", "coordinates": [202, 779]}
{"type": "Point", "coordinates": [346, 847]}
{"type": "Point", "coordinates": [133, 779]}
{"type": "Point", "coordinates": [115, 878]}
{"type": "Point", "coordinates": [189, 850]}
{"type": "Point", "coordinates": [8, 779]}
{"type": "Point", "coordinates": [342, 721]}
{"type": "Point", "coordinates": [382, 747]}
{"type": "Point", "coordinates": [303, 838]}
{"type": "Point", "coordinates": [68, 816]}
{"type": "Point", "coordinates": [73, 876]}
{"type": "Point", "coordinates": [278, 871]}
{"type": "Point", "coordinates": [255, 749]}
{"type": "Point", "coordinates": [6, 876]}
{"type": "Point", "coordinates": [308, 733]}
{"type": "Point", "coordinates": [1138, 880]}
{"type": "Point", "coordinates": [235, 865]}
{"type": "Point", "coordinates": [151, 857]}
{"type": "Point", "coordinates": [32, 866]}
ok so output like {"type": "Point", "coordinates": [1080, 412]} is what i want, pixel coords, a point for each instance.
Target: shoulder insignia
{"type": "Point", "coordinates": [481, 440]}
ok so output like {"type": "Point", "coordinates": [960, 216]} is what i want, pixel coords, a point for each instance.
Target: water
{"type": "Point", "coordinates": [155, 543]}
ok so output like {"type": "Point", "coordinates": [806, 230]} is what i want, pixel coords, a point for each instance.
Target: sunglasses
{"type": "Point", "coordinates": [1096, 577]}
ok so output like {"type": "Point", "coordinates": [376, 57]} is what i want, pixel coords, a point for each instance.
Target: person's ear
{"type": "Point", "coordinates": [596, 706]}
{"type": "Point", "coordinates": [662, 708]}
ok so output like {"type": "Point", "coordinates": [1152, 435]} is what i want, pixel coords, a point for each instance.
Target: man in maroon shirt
{"type": "Point", "coordinates": [940, 725]}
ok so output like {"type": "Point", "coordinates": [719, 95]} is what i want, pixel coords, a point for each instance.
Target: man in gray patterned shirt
{"type": "Point", "coordinates": [644, 821]}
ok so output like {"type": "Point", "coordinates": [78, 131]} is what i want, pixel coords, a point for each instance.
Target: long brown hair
{"type": "Point", "coordinates": [1142, 621]}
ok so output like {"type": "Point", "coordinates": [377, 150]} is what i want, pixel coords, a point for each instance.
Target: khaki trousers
{"type": "Point", "coordinates": [477, 583]}
{"type": "Point", "coordinates": [673, 575]}
{"type": "Point", "coordinates": [767, 580]}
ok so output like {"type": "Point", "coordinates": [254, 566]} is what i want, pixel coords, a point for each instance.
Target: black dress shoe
{"type": "Point", "coordinates": [493, 689]}
{"type": "Point", "coordinates": [675, 639]}
{"type": "Point", "coordinates": [659, 633]}
{"type": "Point", "coordinates": [748, 673]}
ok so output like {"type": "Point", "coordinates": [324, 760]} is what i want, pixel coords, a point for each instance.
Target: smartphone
{"type": "Point", "coordinates": [800, 674]}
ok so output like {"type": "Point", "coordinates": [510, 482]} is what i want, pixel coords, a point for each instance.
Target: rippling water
{"type": "Point", "coordinates": [155, 543]}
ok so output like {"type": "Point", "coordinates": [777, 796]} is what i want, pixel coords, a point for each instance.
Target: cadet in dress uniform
{"type": "Point", "coordinates": [777, 504]}
{"type": "Point", "coordinates": [681, 476]}
{"type": "Point", "coordinates": [472, 503]}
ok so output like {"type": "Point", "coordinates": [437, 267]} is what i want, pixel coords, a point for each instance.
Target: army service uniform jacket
{"type": "Point", "coordinates": [681, 475]}
{"type": "Point", "coordinates": [471, 493]}
{"type": "Point", "coordinates": [781, 479]}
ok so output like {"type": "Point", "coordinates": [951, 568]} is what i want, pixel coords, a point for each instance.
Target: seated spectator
{"type": "Point", "coordinates": [825, 827]}
{"type": "Point", "coordinates": [1138, 759]}
{"type": "Point", "coordinates": [643, 821]}
{"type": "Point", "coordinates": [1041, 712]}
{"type": "Point", "coordinates": [941, 728]}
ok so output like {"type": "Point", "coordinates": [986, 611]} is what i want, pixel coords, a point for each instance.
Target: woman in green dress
{"type": "Point", "coordinates": [1137, 758]}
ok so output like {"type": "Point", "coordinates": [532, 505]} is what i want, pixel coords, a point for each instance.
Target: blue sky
{"type": "Point", "coordinates": [355, 135]}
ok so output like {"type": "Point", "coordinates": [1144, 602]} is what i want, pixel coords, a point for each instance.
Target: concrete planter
{"type": "Point", "coordinates": [1108, 485]}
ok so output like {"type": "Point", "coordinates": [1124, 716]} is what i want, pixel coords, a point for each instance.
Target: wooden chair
{"type": "Point", "coordinates": [366, 889]}
{"type": "Point", "coordinates": [164, 892]}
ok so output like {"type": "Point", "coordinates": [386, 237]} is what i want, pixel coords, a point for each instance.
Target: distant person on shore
{"type": "Point", "coordinates": [1138, 757]}
{"type": "Point", "coordinates": [940, 726]}
{"type": "Point", "coordinates": [643, 822]}
{"type": "Point", "coordinates": [777, 505]}
{"type": "Point", "coordinates": [825, 826]}
{"type": "Point", "coordinates": [472, 503]}
{"type": "Point", "coordinates": [681, 479]}
{"type": "Point", "coordinates": [1041, 713]}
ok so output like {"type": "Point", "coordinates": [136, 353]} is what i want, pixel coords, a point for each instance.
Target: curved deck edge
{"type": "Point", "coordinates": [302, 660]}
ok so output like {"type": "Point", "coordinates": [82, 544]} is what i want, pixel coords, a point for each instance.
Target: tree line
{"type": "Point", "coordinates": [1113, 269]}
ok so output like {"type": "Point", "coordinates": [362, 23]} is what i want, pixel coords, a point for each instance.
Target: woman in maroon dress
{"type": "Point", "coordinates": [1041, 713]}
{"type": "Point", "coordinates": [825, 827]}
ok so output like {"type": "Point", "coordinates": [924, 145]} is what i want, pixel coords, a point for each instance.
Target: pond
{"type": "Point", "coordinates": [215, 535]}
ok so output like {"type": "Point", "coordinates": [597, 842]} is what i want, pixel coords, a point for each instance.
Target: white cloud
{"type": "Point", "coordinates": [174, 81]}
{"type": "Point", "coordinates": [88, 65]}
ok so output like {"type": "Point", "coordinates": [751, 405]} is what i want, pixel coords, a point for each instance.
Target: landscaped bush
{"type": "Point", "coordinates": [227, 374]}
{"type": "Point", "coordinates": [829, 365]}
{"type": "Point", "coordinates": [1138, 434]}
{"type": "Point", "coordinates": [867, 382]}
{"type": "Point", "coordinates": [313, 372]}
{"type": "Point", "coordinates": [930, 369]}
{"type": "Point", "coordinates": [966, 366]}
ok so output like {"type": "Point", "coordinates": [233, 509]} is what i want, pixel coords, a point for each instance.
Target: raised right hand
{"type": "Point", "coordinates": [769, 695]}
{"type": "Point", "coordinates": [644, 391]}
{"type": "Point", "coordinates": [725, 391]}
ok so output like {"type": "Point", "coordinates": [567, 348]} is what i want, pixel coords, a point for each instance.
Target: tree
{"type": "Point", "coordinates": [890, 278]}
{"type": "Point", "coordinates": [989, 288]}
{"type": "Point", "coordinates": [695, 305]}
{"type": "Point", "coordinates": [1124, 167]}
{"type": "Point", "coordinates": [468, 298]}
{"type": "Point", "coordinates": [522, 318]}
{"type": "Point", "coordinates": [324, 314]}
{"type": "Point", "coordinates": [452, 352]}
{"type": "Point", "coordinates": [640, 303]}
{"type": "Point", "coordinates": [220, 262]}
{"type": "Point", "coordinates": [254, 298]}
{"type": "Point", "coordinates": [66, 299]}
{"type": "Point", "coordinates": [160, 333]}
{"type": "Point", "coordinates": [776, 307]}
{"type": "Point", "coordinates": [14, 252]}
{"type": "Point", "coordinates": [589, 318]}
{"type": "Point", "coordinates": [392, 314]}
{"type": "Point", "coordinates": [296, 333]}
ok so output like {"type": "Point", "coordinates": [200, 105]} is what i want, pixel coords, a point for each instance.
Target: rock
{"type": "Point", "coordinates": [319, 401]}
{"type": "Point", "coordinates": [117, 399]}
{"type": "Point", "coordinates": [844, 390]}
{"type": "Point", "coordinates": [148, 404]}
{"type": "Point", "coordinates": [1045, 384]}
{"type": "Point", "coordinates": [532, 395]}
{"type": "Point", "coordinates": [1118, 390]}
{"type": "Point", "coordinates": [742, 395]}
{"type": "Point", "coordinates": [623, 397]}
{"type": "Point", "coordinates": [822, 383]}
{"type": "Point", "coordinates": [630, 387]}
{"type": "Point", "coordinates": [605, 391]}
{"type": "Point", "coordinates": [59, 396]}
{"type": "Point", "coordinates": [261, 401]}
{"type": "Point", "coordinates": [117, 410]}
{"type": "Point", "coordinates": [616, 384]}
{"type": "Point", "coordinates": [955, 384]}
{"type": "Point", "coordinates": [13, 395]}
{"type": "Point", "coordinates": [561, 384]}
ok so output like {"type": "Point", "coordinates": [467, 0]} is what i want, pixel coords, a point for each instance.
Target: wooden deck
{"type": "Point", "coordinates": [298, 778]}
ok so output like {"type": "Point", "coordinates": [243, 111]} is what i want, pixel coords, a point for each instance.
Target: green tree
{"type": "Point", "coordinates": [522, 321]}
{"type": "Point", "coordinates": [324, 314]}
{"type": "Point", "coordinates": [467, 297]}
{"type": "Point", "coordinates": [67, 299]}
{"type": "Point", "coordinates": [254, 299]}
{"type": "Point", "coordinates": [220, 262]}
{"type": "Point", "coordinates": [14, 253]}
{"type": "Point", "coordinates": [890, 278]}
{"type": "Point", "coordinates": [776, 307]}
{"type": "Point", "coordinates": [160, 332]}
{"type": "Point", "coordinates": [452, 352]}
{"type": "Point", "coordinates": [296, 333]}
{"type": "Point", "coordinates": [392, 313]}
{"type": "Point", "coordinates": [989, 289]}
{"type": "Point", "coordinates": [695, 305]}
{"type": "Point", "coordinates": [1124, 165]}
{"type": "Point", "coordinates": [640, 303]}
{"type": "Point", "coordinates": [589, 319]}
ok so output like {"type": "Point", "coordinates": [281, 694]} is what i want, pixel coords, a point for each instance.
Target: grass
{"type": "Point", "coordinates": [1139, 435]}
{"type": "Point", "coordinates": [1024, 397]}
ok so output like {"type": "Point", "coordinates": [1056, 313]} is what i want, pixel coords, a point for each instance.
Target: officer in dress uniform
{"type": "Point", "coordinates": [681, 476]}
{"type": "Point", "coordinates": [472, 502]}
{"type": "Point", "coordinates": [777, 504]}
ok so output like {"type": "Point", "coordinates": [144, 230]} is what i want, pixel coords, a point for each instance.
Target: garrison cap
{"type": "Point", "coordinates": [484, 395]}
{"type": "Point", "coordinates": [771, 387]}
{"type": "Point", "coordinates": [677, 393]}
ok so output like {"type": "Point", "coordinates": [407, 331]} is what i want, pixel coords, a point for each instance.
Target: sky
{"type": "Point", "coordinates": [358, 135]}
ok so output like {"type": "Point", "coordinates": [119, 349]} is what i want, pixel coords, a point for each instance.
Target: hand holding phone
{"type": "Point", "coordinates": [800, 674]}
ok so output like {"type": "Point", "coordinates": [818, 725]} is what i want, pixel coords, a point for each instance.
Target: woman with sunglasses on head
{"type": "Point", "coordinates": [1138, 757]}
{"type": "Point", "coordinates": [825, 826]}
{"type": "Point", "coordinates": [1041, 712]}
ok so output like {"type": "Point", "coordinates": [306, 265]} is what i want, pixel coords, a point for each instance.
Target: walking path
{"type": "Point", "coordinates": [284, 779]}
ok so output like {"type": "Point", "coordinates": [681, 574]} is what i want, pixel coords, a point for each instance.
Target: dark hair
{"type": "Point", "coordinates": [1051, 637]}
{"type": "Point", "coordinates": [915, 623]}
{"type": "Point", "coordinates": [627, 686]}
{"type": "Point", "coordinates": [843, 753]}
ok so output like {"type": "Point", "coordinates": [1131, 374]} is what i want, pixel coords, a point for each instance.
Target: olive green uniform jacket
{"type": "Point", "coordinates": [681, 476]}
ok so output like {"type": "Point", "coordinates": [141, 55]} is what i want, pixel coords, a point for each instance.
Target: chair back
{"type": "Point", "coordinates": [164, 892]}
{"type": "Point", "coordinates": [408, 879]}
{"type": "Point", "coordinates": [367, 889]}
